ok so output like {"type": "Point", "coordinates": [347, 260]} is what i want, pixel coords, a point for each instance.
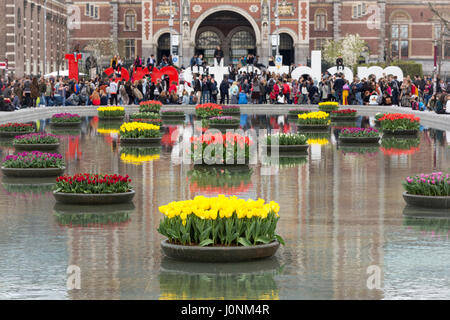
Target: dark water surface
{"type": "Point", "coordinates": [341, 212]}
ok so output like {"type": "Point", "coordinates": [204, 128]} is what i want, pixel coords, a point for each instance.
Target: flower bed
{"type": "Point", "coordinates": [296, 112]}
{"type": "Point", "coordinates": [139, 156]}
{"type": "Point", "coordinates": [91, 188]}
{"type": "Point", "coordinates": [220, 221]}
{"type": "Point", "coordinates": [147, 117]}
{"type": "Point", "coordinates": [328, 106]}
{"type": "Point", "coordinates": [396, 147]}
{"type": "Point", "coordinates": [231, 110]}
{"type": "Point", "coordinates": [359, 135]}
{"type": "Point", "coordinates": [111, 113]}
{"type": "Point", "coordinates": [314, 120]}
{"type": "Point", "coordinates": [343, 115]}
{"type": "Point", "coordinates": [234, 148]}
{"type": "Point", "coordinates": [65, 119]}
{"type": "Point", "coordinates": [172, 114]}
{"type": "Point", "coordinates": [223, 122]}
{"type": "Point", "coordinates": [139, 132]}
{"type": "Point", "coordinates": [208, 110]}
{"type": "Point", "coordinates": [150, 106]}
{"type": "Point", "coordinates": [14, 129]}
{"type": "Point", "coordinates": [428, 190]}
{"type": "Point", "coordinates": [33, 164]}
{"type": "Point", "coordinates": [398, 123]}
{"type": "Point", "coordinates": [33, 141]}
{"type": "Point", "coordinates": [290, 142]}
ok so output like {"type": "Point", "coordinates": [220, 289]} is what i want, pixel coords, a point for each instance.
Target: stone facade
{"type": "Point", "coordinates": [392, 28]}
{"type": "Point", "coordinates": [33, 37]}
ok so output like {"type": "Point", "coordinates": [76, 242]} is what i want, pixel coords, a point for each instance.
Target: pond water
{"type": "Point", "coordinates": [341, 213]}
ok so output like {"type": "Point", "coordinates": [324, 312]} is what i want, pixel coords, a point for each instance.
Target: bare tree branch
{"type": "Point", "coordinates": [444, 21]}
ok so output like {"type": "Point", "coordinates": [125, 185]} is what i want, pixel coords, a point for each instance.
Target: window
{"type": "Point", "coordinates": [443, 44]}
{"type": "Point", "coordinates": [19, 19]}
{"type": "Point", "coordinates": [400, 41]}
{"type": "Point", "coordinates": [207, 42]}
{"type": "Point", "coordinates": [320, 44]}
{"type": "Point", "coordinates": [130, 49]}
{"type": "Point", "coordinates": [359, 10]}
{"type": "Point", "coordinates": [130, 20]}
{"type": "Point", "coordinates": [320, 20]}
{"type": "Point", "coordinates": [91, 11]}
{"type": "Point", "coordinates": [242, 43]}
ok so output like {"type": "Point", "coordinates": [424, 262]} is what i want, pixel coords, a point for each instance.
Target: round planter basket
{"type": "Point", "coordinates": [94, 199]}
{"type": "Point", "coordinates": [173, 116]}
{"type": "Point", "coordinates": [32, 172]}
{"type": "Point", "coordinates": [338, 119]}
{"type": "Point", "coordinates": [427, 201]}
{"type": "Point", "coordinates": [12, 134]}
{"type": "Point", "coordinates": [65, 124]}
{"type": "Point", "coordinates": [360, 140]}
{"type": "Point", "coordinates": [140, 141]}
{"type": "Point", "coordinates": [38, 147]}
{"type": "Point", "coordinates": [313, 127]}
{"type": "Point", "coordinates": [288, 148]}
{"type": "Point", "coordinates": [400, 132]}
{"type": "Point", "coordinates": [219, 253]}
{"type": "Point", "coordinates": [224, 126]}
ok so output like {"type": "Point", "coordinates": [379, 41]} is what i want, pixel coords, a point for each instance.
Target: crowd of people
{"type": "Point", "coordinates": [246, 87]}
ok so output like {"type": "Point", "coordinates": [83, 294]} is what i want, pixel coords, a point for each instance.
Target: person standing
{"type": "Point", "coordinates": [27, 92]}
{"type": "Point", "coordinates": [224, 88]}
{"type": "Point", "coordinates": [206, 92]}
{"type": "Point", "coordinates": [213, 90]}
{"type": "Point", "coordinates": [218, 55]}
{"type": "Point", "coordinates": [113, 91]}
{"type": "Point", "coordinates": [42, 91]}
{"type": "Point", "coordinates": [339, 87]}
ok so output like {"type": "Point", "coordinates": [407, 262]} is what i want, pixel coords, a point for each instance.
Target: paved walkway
{"type": "Point", "coordinates": [429, 119]}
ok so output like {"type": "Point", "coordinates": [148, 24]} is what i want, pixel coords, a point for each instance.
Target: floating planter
{"type": "Point", "coordinates": [146, 117]}
{"type": "Point", "coordinates": [140, 133]}
{"type": "Point", "coordinates": [328, 106]}
{"type": "Point", "coordinates": [36, 141]}
{"type": "Point", "coordinates": [398, 147]}
{"type": "Point", "coordinates": [150, 106]}
{"type": "Point", "coordinates": [235, 149]}
{"type": "Point", "coordinates": [10, 130]}
{"type": "Point", "coordinates": [138, 156]}
{"type": "Point", "coordinates": [293, 113]}
{"type": "Point", "coordinates": [65, 120]}
{"type": "Point", "coordinates": [428, 190]}
{"type": "Point", "coordinates": [191, 228]}
{"type": "Point", "coordinates": [231, 110]}
{"type": "Point", "coordinates": [33, 164]}
{"type": "Point", "coordinates": [378, 116]}
{"type": "Point", "coordinates": [400, 124]}
{"type": "Point", "coordinates": [359, 135]}
{"type": "Point", "coordinates": [287, 142]}
{"type": "Point", "coordinates": [208, 110]}
{"type": "Point", "coordinates": [343, 115]}
{"type": "Point", "coordinates": [223, 122]}
{"type": "Point", "coordinates": [172, 114]}
{"type": "Point", "coordinates": [314, 121]}
{"type": "Point", "coordinates": [213, 181]}
{"type": "Point", "coordinates": [93, 189]}
{"type": "Point", "coordinates": [114, 113]}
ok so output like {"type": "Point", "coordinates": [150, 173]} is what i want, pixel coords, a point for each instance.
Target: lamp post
{"type": "Point", "coordinates": [277, 24]}
{"type": "Point", "coordinates": [170, 25]}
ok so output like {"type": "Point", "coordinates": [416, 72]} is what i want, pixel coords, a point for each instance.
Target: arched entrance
{"type": "Point", "coordinates": [287, 48]}
{"type": "Point", "coordinates": [234, 31]}
{"type": "Point", "coordinates": [163, 46]}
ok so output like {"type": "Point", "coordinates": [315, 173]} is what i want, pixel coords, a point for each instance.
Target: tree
{"type": "Point", "coordinates": [349, 48]}
{"type": "Point", "coordinates": [102, 49]}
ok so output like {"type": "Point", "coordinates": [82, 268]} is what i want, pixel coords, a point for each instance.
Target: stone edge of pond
{"type": "Point", "coordinates": [429, 119]}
